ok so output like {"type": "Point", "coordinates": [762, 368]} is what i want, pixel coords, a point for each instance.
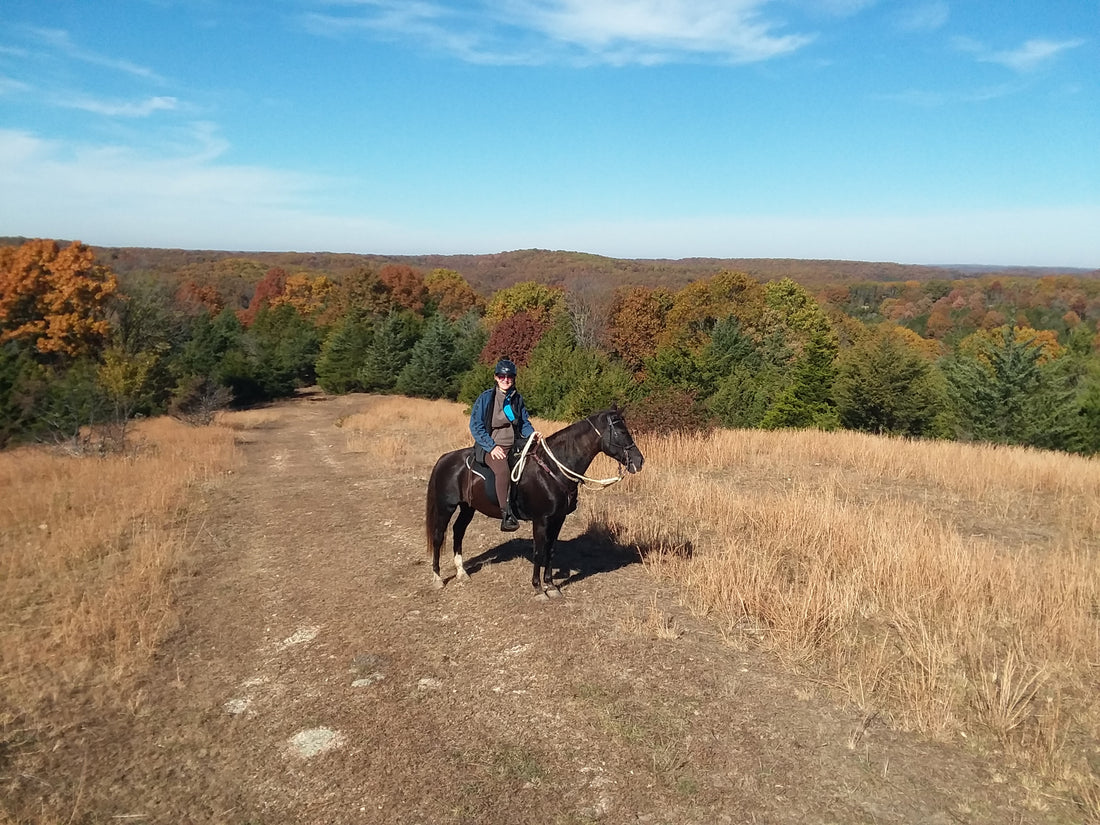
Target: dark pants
{"type": "Point", "coordinates": [502, 472]}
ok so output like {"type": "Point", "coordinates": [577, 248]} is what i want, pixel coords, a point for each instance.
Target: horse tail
{"type": "Point", "coordinates": [431, 510]}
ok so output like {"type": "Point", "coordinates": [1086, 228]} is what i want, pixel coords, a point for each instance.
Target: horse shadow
{"type": "Point", "coordinates": [592, 552]}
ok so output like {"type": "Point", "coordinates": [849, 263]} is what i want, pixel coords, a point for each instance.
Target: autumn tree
{"type": "Point", "coordinates": [543, 303]}
{"type": "Point", "coordinates": [54, 300]}
{"type": "Point", "coordinates": [362, 290]}
{"type": "Point", "coordinates": [514, 338]}
{"type": "Point", "coordinates": [194, 298]}
{"type": "Point", "coordinates": [405, 285]}
{"type": "Point", "coordinates": [701, 304]}
{"type": "Point", "coordinates": [269, 287]}
{"type": "Point", "coordinates": [636, 321]}
{"type": "Point", "coordinates": [309, 295]}
{"type": "Point", "coordinates": [450, 295]}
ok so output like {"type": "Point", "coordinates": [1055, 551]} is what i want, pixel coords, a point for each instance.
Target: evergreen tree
{"type": "Point", "coordinates": [807, 400]}
{"type": "Point", "coordinates": [343, 353]}
{"type": "Point", "coordinates": [388, 353]}
{"type": "Point", "coordinates": [283, 347]}
{"type": "Point", "coordinates": [1005, 395]}
{"type": "Point", "coordinates": [434, 364]}
{"type": "Point", "coordinates": [885, 386]}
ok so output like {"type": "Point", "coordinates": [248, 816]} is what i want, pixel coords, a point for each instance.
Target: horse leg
{"type": "Point", "coordinates": [553, 528]}
{"type": "Point", "coordinates": [465, 515]}
{"type": "Point", "coordinates": [545, 532]}
{"type": "Point", "coordinates": [437, 532]}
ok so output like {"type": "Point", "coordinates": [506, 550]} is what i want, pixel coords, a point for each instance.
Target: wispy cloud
{"type": "Point", "coordinates": [1025, 58]}
{"type": "Point", "coordinates": [606, 31]}
{"type": "Point", "coordinates": [182, 195]}
{"type": "Point", "coordinates": [924, 17]}
{"type": "Point", "coordinates": [142, 108]}
{"type": "Point", "coordinates": [9, 85]}
{"type": "Point", "coordinates": [60, 40]}
{"type": "Point", "coordinates": [932, 99]}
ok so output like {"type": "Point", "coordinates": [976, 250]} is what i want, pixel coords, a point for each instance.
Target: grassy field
{"type": "Point", "coordinates": [945, 588]}
{"type": "Point", "coordinates": [90, 549]}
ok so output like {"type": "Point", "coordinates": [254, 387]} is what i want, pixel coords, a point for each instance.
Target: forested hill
{"type": "Point", "coordinates": [575, 271]}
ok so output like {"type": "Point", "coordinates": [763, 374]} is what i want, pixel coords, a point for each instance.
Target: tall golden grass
{"type": "Point", "coordinates": [948, 588]}
{"type": "Point", "coordinates": [88, 550]}
{"type": "Point", "coordinates": [951, 588]}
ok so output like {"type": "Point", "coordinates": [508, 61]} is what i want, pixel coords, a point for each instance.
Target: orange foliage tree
{"type": "Point", "coordinates": [451, 293]}
{"type": "Point", "coordinates": [269, 287]}
{"type": "Point", "coordinates": [636, 321]}
{"type": "Point", "coordinates": [406, 286]}
{"type": "Point", "coordinates": [54, 298]}
{"type": "Point", "coordinates": [699, 305]}
{"type": "Point", "coordinates": [306, 293]}
{"type": "Point", "coordinates": [514, 338]}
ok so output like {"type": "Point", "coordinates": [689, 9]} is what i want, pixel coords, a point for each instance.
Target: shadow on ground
{"type": "Point", "coordinates": [591, 553]}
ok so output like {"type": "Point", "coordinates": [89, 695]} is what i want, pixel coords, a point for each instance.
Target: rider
{"type": "Point", "coordinates": [498, 420]}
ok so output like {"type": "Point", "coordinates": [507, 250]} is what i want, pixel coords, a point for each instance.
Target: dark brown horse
{"type": "Point", "coordinates": [545, 493]}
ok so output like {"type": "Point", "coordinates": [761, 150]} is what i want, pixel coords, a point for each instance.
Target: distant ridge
{"type": "Point", "coordinates": [575, 271]}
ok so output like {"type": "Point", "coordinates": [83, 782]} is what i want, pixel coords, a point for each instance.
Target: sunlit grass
{"type": "Point", "coordinates": [951, 588]}
{"type": "Point", "coordinates": [88, 550]}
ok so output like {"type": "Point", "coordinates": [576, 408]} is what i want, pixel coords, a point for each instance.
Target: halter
{"type": "Point", "coordinates": [572, 475]}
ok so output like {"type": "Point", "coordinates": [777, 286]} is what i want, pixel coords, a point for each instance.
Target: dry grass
{"type": "Point", "coordinates": [88, 550]}
{"type": "Point", "coordinates": [398, 432]}
{"type": "Point", "coordinates": [951, 588]}
{"type": "Point", "coordinates": [946, 588]}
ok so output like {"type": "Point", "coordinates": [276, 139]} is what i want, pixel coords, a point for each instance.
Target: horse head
{"type": "Point", "coordinates": [616, 440]}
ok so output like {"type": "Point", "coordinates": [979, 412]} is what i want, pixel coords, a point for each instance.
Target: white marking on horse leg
{"type": "Point", "coordinates": [460, 571]}
{"type": "Point", "coordinates": [437, 581]}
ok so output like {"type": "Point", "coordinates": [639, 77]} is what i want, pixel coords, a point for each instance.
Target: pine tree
{"type": "Point", "coordinates": [885, 386]}
{"type": "Point", "coordinates": [343, 352]}
{"type": "Point", "coordinates": [434, 366]}
{"type": "Point", "coordinates": [387, 355]}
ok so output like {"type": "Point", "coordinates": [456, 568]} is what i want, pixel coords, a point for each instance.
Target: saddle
{"type": "Point", "coordinates": [482, 474]}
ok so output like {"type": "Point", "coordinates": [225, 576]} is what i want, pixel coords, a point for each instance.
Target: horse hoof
{"type": "Point", "coordinates": [553, 592]}
{"type": "Point", "coordinates": [437, 581]}
{"type": "Point", "coordinates": [541, 596]}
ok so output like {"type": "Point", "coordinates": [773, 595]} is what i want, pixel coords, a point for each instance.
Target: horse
{"type": "Point", "coordinates": [544, 494]}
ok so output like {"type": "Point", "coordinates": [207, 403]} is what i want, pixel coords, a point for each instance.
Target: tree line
{"type": "Point", "coordinates": [1010, 361]}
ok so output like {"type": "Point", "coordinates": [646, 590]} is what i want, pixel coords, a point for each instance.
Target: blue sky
{"type": "Point", "coordinates": [931, 131]}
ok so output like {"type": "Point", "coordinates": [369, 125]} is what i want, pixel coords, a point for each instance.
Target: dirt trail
{"type": "Point", "coordinates": [318, 678]}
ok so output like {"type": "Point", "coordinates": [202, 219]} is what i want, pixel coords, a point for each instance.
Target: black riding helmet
{"type": "Point", "coordinates": [505, 367]}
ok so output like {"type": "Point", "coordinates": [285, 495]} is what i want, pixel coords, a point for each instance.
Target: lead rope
{"type": "Point", "coordinates": [517, 471]}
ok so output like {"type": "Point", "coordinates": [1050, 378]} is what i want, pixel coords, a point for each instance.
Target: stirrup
{"type": "Point", "coordinates": [509, 524]}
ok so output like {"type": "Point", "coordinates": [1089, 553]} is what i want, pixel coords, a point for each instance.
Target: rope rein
{"type": "Point", "coordinates": [572, 475]}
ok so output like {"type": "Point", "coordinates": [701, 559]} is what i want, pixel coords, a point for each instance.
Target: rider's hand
{"type": "Point", "coordinates": [498, 453]}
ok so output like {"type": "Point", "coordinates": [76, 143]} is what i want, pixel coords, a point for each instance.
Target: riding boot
{"type": "Point", "coordinates": [508, 524]}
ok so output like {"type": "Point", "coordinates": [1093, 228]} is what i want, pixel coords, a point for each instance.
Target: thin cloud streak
{"type": "Point", "coordinates": [139, 109]}
{"type": "Point", "coordinates": [617, 32]}
{"type": "Point", "coordinates": [62, 42]}
{"type": "Point", "coordinates": [1027, 58]}
{"type": "Point", "coordinates": [925, 17]}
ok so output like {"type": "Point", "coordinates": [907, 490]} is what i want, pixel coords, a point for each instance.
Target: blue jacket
{"type": "Point", "coordinates": [482, 413]}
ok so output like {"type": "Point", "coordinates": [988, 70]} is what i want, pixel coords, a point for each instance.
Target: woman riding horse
{"type": "Point", "coordinates": [497, 421]}
{"type": "Point", "coordinates": [546, 490]}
